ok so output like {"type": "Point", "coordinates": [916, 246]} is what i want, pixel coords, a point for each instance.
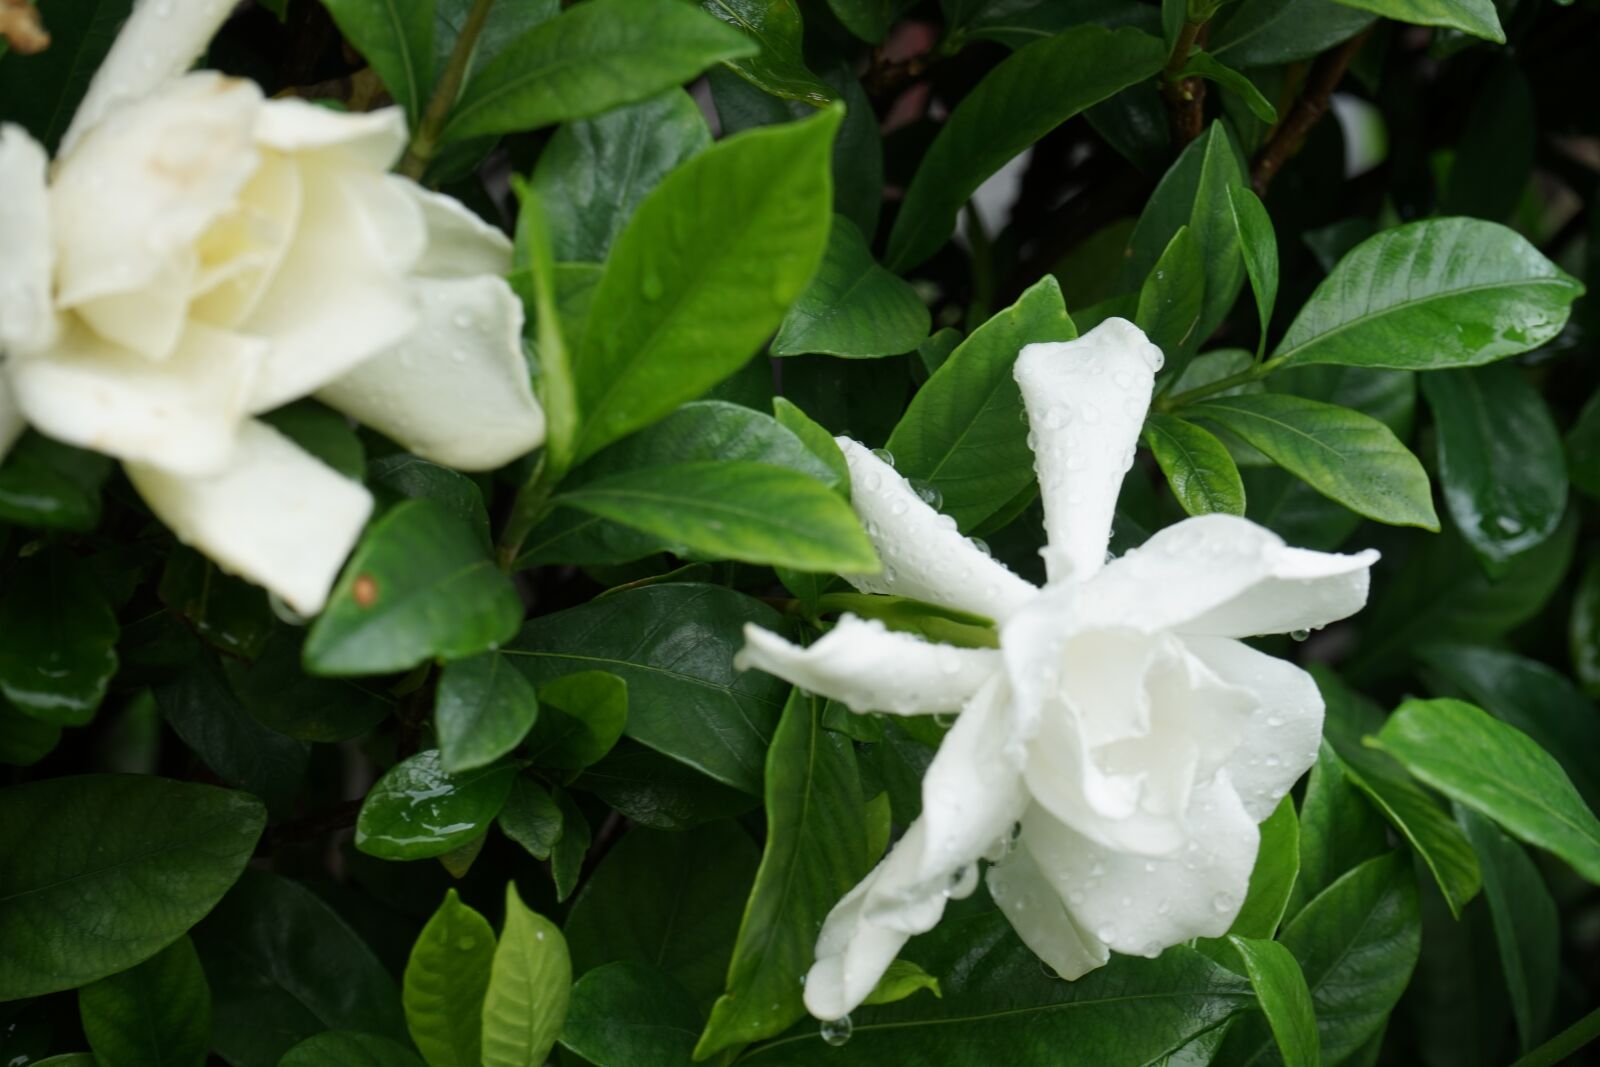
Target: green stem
{"type": "Point", "coordinates": [425, 141]}
{"type": "Point", "coordinates": [1564, 1044]}
{"type": "Point", "coordinates": [531, 505]}
{"type": "Point", "coordinates": [1221, 385]}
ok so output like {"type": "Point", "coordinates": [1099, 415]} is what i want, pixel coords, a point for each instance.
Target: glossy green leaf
{"type": "Point", "coordinates": [1173, 297]}
{"type": "Point", "coordinates": [1477, 17]}
{"type": "Point", "coordinates": [817, 440]}
{"type": "Point", "coordinates": [1339, 829]}
{"type": "Point", "coordinates": [1497, 770]}
{"type": "Point", "coordinates": [594, 172]}
{"type": "Point", "coordinates": [418, 809]}
{"type": "Point", "coordinates": [1527, 927]}
{"type": "Point", "coordinates": [397, 40]}
{"type": "Point", "coordinates": [815, 853]}
{"type": "Point", "coordinates": [687, 925]}
{"type": "Point", "coordinates": [964, 432]}
{"type": "Point", "coordinates": [630, 1014]}
{"type": "Point", "coordinates": [483, 710]}
{"type": "Point", "coordinates": [1500, 461]}
{"type": "Point", "coordinates": [1348, 457]}
{"type": "Point", "coordinates": [403, 476]}
{"type": "Point", "coordinates": [59, 651]}
{"type": "Point", "coordinates": [703, 274]}
{"type": "Point", "coordinates": [1274, 876]}
{"type": "Point", "coordinates": [134, 861]}
{"type": "Point", "coordinates": [584, 715]}
{"type": "Point", "coordinates": [348, 1049]}
{"type": "Point", "coordinates": [1211, 222]}
{"type": "Point", "coordinates": [1204, 65]}
{"type": "Point", "coordinates": [1198, 467]}
{"type": "Point", "coordinates": [674, 646]}
{"type": "Point", "coordinates": [45, 483]}
{"type": "Point", "coordinates": [505, 25]}
{"type": "Point", "coordinates": [1450, 292]}
{"type": "Point", "coordinates": [531, 818]}
{"type": "Point", "coordinates": [446, 977]}
{"type": "Point", "coordinates": [156, 1013]}
{"type": "Point", "coordinates": [571, 848]}
{"type": "Point", "coordinates": [529, 985]}
{"type": "Point", "coordinates": [1259, 245]}
{"type": "Point", "coordinates": [853, 307]}
{"type": "Point", "coordinates": [1258, 33]}
{"type": "Point", "coordinates": [1285, 1001]}
{"type": "Point", "coordinates": [731, 510]}
{"type": "Point", "coordinates": [589, 59]}
{"type": "Point", "coordinates": [776, 64]}
{"type": "Point", "coordinates": [902, 978]}
{"type": "Point", "coordinates": [420, 585]}
{"type": "Point", "coordinates": [275, 688]}
{"type": "Point", "coordinates": [656, 791]}
{"type": "Point", "coordinates": [1023, 98]}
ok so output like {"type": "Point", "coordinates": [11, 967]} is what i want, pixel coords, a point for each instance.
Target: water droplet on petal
{"type": "Point", "coordinates": [836, 1031]}
{"type": "Point", "coordinates": [1299, 635]}
{"type": "Point", "coordinates": [885, 455]}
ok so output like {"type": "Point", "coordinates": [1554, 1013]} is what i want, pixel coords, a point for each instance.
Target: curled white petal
{"type": "Point", "coordinates": [867, 667]}
{"type": "Point", "coordinates": [276, 515]}
{"type": "Point", "coordinates": [924, 556]}
{"type": "Point", "coordinates": [1086, 402]}
{"type": "Point", "coordinates": [460, 244]}
{"type": "Point", "coordinates": [1034, 907]}
{"type": "Point", "coordinates": [371, 140]}
{"type": "Point", "coordinates": [27, 319]}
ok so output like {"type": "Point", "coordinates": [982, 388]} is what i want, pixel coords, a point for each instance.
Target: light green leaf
{"type": "Point", "coordinates": [133, 862]}
{"type": "Point", "coordinates": [417, 810]}
{"type": "Point", "coordinates": [529, 986]}
{"type": "Point", "coordinates": [483, 710]}
{"type": "Point", "coordinates": [817, 440]}
{"type": "Point", "coordinates": [815, 852]}
{"type": "Point", "coordinates": [591, 58]}
{"type": "Point", "coordinates": [1477, 17]}
{"type": "Point", "coordinates": [963, 432]}
{"type": "Point", "coordinates": [419, 585]}
{"type": "Point", "coordinates": [1026, 96]}
{"type": "Point", "coordinates": [1450, 292]}
{"type": "Point", "coordinates": [1198, 467]}
{"type": "Point", "coordinates": [703, 274]}
{"type": "Point", "coordinates": [853, 307]}
{"type": "Point", "coordinates": [777, 63]}
{"type": "Point", "coordinates": [59, 650]}
{"type": "Point", "coordinates": [902, 979]}
{"type": "Point", "coordinates": [349, 1049]}
{"type": "Point", "coordinates": [1259, 245]}
{"type": "Point", "coordinates": [1346, 456]}
{"type": "Point", "coordinates": [156, 1013]}
{"type": "Point", "coordinates": [1497, 770]}
{"type": "Point", "coordinates": [446, 977]}
{"type": "Point", "coordinates": [1281, 988]}
{"type": "Point", "coordinates": [1207, 66]}
{"type": "Point", "coordinates": [583, 716]}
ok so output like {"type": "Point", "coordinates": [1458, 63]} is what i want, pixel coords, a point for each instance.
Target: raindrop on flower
{"type": "Point", "coordinates": [836, 1031]}
{"type": "Point", "coordinates": [944, 720]}
{"type": "Point", "coordinates": [929, 493]}
{"type": "Point", "coordinates": [1299, 635]}
{"type": "Point", "coordinates": [885, 455]}
{"type": "Point", "coordinates": [1223, 902]}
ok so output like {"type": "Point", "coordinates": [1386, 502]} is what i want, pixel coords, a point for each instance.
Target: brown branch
{"type": "Point", "coordinates": [1291, 133]}
{"type": "Point", "coordinates": [1185, 97]}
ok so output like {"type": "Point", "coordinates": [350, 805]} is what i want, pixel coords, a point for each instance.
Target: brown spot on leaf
{"type": "Point", "coordinates": [364, 591]}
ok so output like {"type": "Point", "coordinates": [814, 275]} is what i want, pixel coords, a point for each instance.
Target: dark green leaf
{"type": "Point", "coordinates": [156, 1013]}
{"type": "Point", "coordinates": [1198, 467]}
{"type": "Point", "coordinates": [1258, 33]}
{"type": "Point", "coordinates": [419, 585]}
{"type": "Point", "coordinates": [583, 716]}
{"type": "Point", "coordinates": [777, 63]}
{"type": "Point", "coordinates": [653, 790]}
{"type": "Point", "coordinates": [59, 651]}
{"type": "Point", "coordinates": [630, 1014]}
{"type": "Point", "coordinates": [417, 810]}
{"type": "Point", "coordinates": [42, 91]}
{"type": "Point", "coordinates": [1338, 830]}
{"type": "Point", "coordinates": [397, 39]}
{"type": "Point", "coordinates": [1477, 17]}
{"type": "Point", "coordinates": [348, 1049]}
{"type": "Point", "coordinates": [1203, 65]}
{"type": "Point", "coordinates": [1583, 633]}
{"type": "Point", "coordinates": [445, 981]}
{"type": "Point", "coordinates": [133, 862]}
{"type": "Point", "coordinates": [1259, 245]}
{"type": "Point", "coordinates": [1583, 448]}
{"type": "Point", "coordinates": [324, 433]}
{"type": "Point", "coordinates": [818, 441]}
{"type": "Point", "coordinates": [277, 691]}
{"type": "Point", "coordinates": [853, 307]}
{"type": "Point", "coordinates": [25, 740]}
{"type": "Point", "coordinates": [1285, 1001]}
{"type": "Point", "coordinates": [529, 985]}
{"type": "Point", "coordinates": [484, 709]}
{"type": "Point", "coordinates": [403, 476]}
{"type": "Point", "coordinates": [45, 483]}
{"type": "Point", "coordinates": [228, 613]}
{"type": "Point", "coordinates": [1172, 298]}
{"type": "Point", "coordinates": [570, 849]}
{"type": "Point", "coordinates": [531, 818]}
{"type": "Point", "coordinates": [867, 19]}
{"type": "Point", "coordinates": [1274, 876]}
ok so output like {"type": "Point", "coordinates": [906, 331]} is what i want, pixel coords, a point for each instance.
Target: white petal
{"type": "Point", "coordinates": [1038, 914]}
{"type": "Point", "coordinates": [1141, 905]}
{"type": "Point", "coordinates": [11, 421]}
{"type": "Point", "coordinates": [276, 515]}
{"type": "Point", "coordinates": [460, 244]}
{"type": "Point", "coordinates": [867, 667]}
{"type": "Point", "coordinates": [27, 319]}
{"type": "Point", "coordinates": [924, 556]}
{"type": "Point", "coordinates": [457, 390]}
{"type": "Point", "coordinates": [340, 296]}
{"type": "Point", "coordinates": [1280, 742]}
{"type": "Point", "coordinates": [1086, 402]}
{"type": "Point", "coordinates": [241, 252]}
{"type": "Point", "coordinates": [1228, 576]}
{"type": "Point", "coordinates": [180, 414]}
{"type": "Point", "coordinates": [160, 40]}
{"type": "Point", "coordinates": [371, 140]}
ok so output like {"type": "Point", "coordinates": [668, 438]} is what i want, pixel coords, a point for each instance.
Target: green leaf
{"type": "Point", "coordinates": [347, 1049]}
{"type": "Point", "coordinates": [133, 862]}
{"type": "Point", "coordinates": [1338, 830]}
{"type": "Point", "coordinates": [1497, 770]}
{"type": "Point", "coordinates": [45, 483]}
{"type": "Point", "coordinates": [867, 19]}
{"type": "Point", "coordinates": [156, 1013]}
{"type": "Point", "coordinates": [42, 91]}
{"type": "Point", "coordinates": [584, 715]}
{"type": "Point", "coordinates": [529, 985]}
{"type": "Point", "coordinates": [963, 432]}
{"type": "Point", "coordinates": [1527, 927]}
{"type": "Point", "coordinates": [817, 440]}
{"type": "Point", "coordinates": [1259, 245]}
{"type": "Point", "coordinates": [1583, 448]}
{"type": "Point", "coordinates": [594, 172]}
{"type": "Point", "coordinates": [417, 809]}
{"type": "Point", "coordinates": [630, 1014]}
{"type": "Point", "coordinates": [1583, 632]}
{"type": "Point", "coordinates": [1500, 462]}
{"type": "Point", "coordinates": [324, 433]}
{"type": "Point", "coordinates": [403, 476]}
{"type": "Point", "coordinates": [1204, 65]}
{"type": "Point", "coordinates": [445, 981]}
{"type": "Point", "coordinates": [1211, 222]}
{"type": "Point", "coordinates": [1555, 1051]}
{"type": "Point", "coordinates": [1477, 17]}
{"type": "Point", "coordinates": [420, 585]}
{"type": "Point", "coordinates": [25, 740]}
{"type": "Point", "coordinates": [1451, 292]}
{"type": "Point", "coordinates": [815, 853]}
{"type": "Point", "coordinates": [853, 307]}
{"type": "Point", "coordinates": [531, 818]}
{"type": "Point", "coordinates": [655, 791]}
{"type": "Point", "coordinates": [505, 25]}
{"type": "Point", "coordinates": [567, 856]}
{"type": "Point", "coordinates": [674, 646]}
{"type": "Point", "coordinates": [1026, 96]}
{"type": "Point", "coordinates": [777, 63]}
{"type": "Point", "coordinates": [1259, 33]}
{"type": "Point", "coordinates": [1285, 1001]}
{"type": "Point", "coordinates": [283, 967]}
{"type": "Point", "coordinates": [483, 711]}
{"type": "Point", "coordinates": [277, 691]}
{"type": "Point", "coordinates": [1357, 944]}
{"type": "Point", "coordinates": [1198, 467]}
{"type": "Point", "coordinates": [745, 511]}
{"type": "Point", "coordinates": [59, 651]}
{"type": "Point", "coordinates": [703, 274]}
{"type": "Point", "coordinates": [228, 613]}
{"type": "Point", "coordinates": [1346, 456]}
{"type": "Point", "coordinates": [1274, 876]}
{"type": "Point", "coordinates": [1172, 298]}
{"type": "Point", "coordinates": [901, 980]}
{"type": "Point", "coordinates": [591, 58]}
{"type": "Point", "coordinates": [686, 924]}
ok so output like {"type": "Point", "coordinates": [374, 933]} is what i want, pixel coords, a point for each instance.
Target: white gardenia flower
{"type": "Point", "coordinates": [197, 255]}
{"type": "Point", "coordinates": [1115, 754]}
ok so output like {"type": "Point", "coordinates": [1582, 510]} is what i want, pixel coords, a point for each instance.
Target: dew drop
{"type": "Point", "coordinates": [929, 493]}
{"type": "Point", "coordinates": [981, 545]}
{"type": "Point", "coordinates": [836, 1031]}
{"type": "Point", "coordinates": [1223, 902]}
{"type": "Point", "coordinates": [944, 720]}
{"type": "Point", "coordinates": [1299, 635]}
{"type": "Point", "coordinates": [885, 455]}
